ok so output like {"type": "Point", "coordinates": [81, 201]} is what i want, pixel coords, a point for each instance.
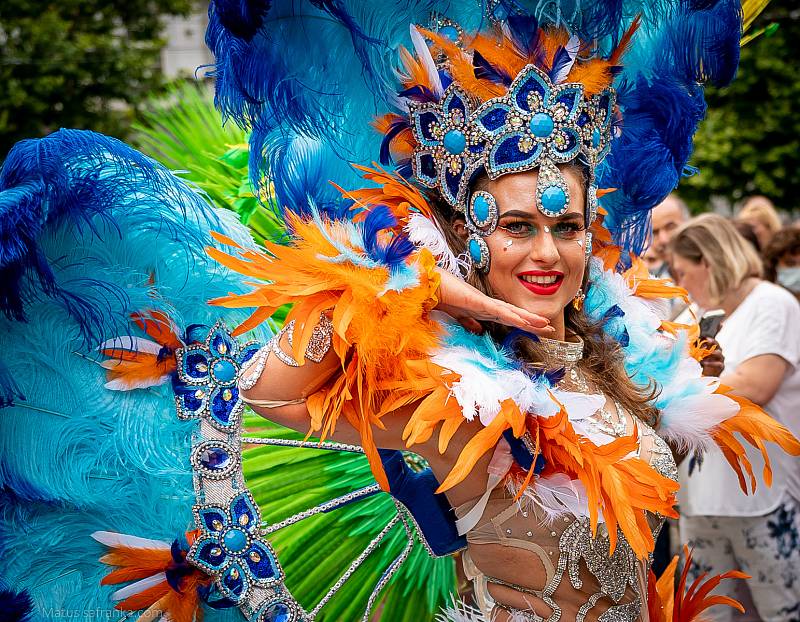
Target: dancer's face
{"type": "Point", "coordinates": [537, 262]}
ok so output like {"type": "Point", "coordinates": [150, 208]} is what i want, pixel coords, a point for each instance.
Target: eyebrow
{"type": "Point", "coordinates": [528, 216]}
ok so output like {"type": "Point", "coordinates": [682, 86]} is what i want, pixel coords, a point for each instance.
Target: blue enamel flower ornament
{"type": "Point", "coordinates": [230, 549]}
{"type": "Point", "coordinates": [206, 379]}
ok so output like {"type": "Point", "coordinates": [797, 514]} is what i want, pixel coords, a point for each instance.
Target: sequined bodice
{"type": "Point", "coordinates": [561, 566]}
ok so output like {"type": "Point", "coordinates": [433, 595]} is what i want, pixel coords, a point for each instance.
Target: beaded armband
{"type": "Point", "coordinates": [318, 347]}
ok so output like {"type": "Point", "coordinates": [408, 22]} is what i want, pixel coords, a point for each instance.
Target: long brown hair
{"type": "Point", "coordinates": [603, 356]}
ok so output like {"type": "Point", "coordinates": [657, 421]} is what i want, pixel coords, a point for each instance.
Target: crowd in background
{"type": "Point", "coordinates": [742, 276]}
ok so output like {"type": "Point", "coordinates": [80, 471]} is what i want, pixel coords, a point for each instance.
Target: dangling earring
{"type": "Point", "coordinates": [577, 302]}
{"type": "Point", "coordinates": [481, 220]}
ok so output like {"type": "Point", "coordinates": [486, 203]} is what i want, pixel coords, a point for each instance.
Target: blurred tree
{"type": "Point", "coordinates": [77, 63]}
{"type": "Point", "coordinates": [749, 142]}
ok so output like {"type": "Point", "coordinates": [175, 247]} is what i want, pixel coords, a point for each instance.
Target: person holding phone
{"type": "Point", "coordinates": [760, 338]}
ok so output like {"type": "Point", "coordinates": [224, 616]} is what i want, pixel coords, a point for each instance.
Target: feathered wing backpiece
{"type": "Point", "coordinates": [101, 255]}
{"type": "Point", "coordinates": [108, 331]}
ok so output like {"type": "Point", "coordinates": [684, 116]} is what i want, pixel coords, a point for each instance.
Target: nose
{"type": "Point", "coordinates": [544, 250]}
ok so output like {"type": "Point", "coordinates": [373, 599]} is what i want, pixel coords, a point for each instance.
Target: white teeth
{"type": "Point", "coordinates": [539, 280]}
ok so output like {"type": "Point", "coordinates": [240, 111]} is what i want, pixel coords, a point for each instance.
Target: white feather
{"type": "Point", "coordinates": [119, 384]}
{"type": "Point", "coordinates": [555, 496]}
{"type": "Point", "coordinates": [424, 55]}
{"type": "Point", "coordinates": [573, 47]}
{"type": "Point", "coordinates": [425, 233]}
{"type": "Point", "coordinates": [689, 421]}
{"type": "Point", "coordinates": [112, 538]}
{"type": "Point", "coordinates": [139, 586]}
{"type": "Point", "coordinates": [458, 611]}
{"type": "Point", "coordinates": [483, 386]}
{"type": "Point", "coordinates": [131, 344]}
{"type": "Point", "coordinates": [401, 103]}
{"type": "Point", "coordinates": [579, 405]}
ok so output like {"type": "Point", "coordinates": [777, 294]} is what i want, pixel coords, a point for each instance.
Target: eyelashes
{"type": "Point", "coordinates": [524, 229]}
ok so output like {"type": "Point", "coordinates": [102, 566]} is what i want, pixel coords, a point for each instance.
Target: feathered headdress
{"type": "Point", "coordinates": [310, 118]}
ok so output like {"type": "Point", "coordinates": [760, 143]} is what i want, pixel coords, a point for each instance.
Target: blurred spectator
{"type": "Point", "coordinates": [748, 232]}
{"type": "Point", "coordinates": [782, 259]}
{"type": "Point", "coordinates": [759, 212]}
{"type": "Point", "coordinates": [760, 339]}
{"type": "Point", "coordinates": [666, 217]}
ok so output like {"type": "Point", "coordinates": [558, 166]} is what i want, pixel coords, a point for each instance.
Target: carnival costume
{"type": "Point", "coordinates": [492, 89]}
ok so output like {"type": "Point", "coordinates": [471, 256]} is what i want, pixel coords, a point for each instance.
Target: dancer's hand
{"type": "Point", "coordinates": [469, 305]}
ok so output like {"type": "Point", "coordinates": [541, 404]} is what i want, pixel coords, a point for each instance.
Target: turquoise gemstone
{"type": "Point", "coordinates": [596, 138]}
{"type": "Point", "coordinates": [541, 125]}
{"type": "Point", "coordinates": [475, 251]}
{"type": "Point", "coordinates": [554, 200]}
{"type": "Point", "coordinates": [224, 371]}
{"type": "Point", "coordinates": [480, 208]}
{"type": "Point", "coordinates": [455, 142]}
{"type": "Point", "coordinates": [235, 540]}
{"type": "Point", "coordinates": [449, 32]}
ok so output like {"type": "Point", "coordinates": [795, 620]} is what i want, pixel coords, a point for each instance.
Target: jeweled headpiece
{"type": "Point", "coordinates": [504, 103]}
{"type": "Point", "coordinates": [535, 125]}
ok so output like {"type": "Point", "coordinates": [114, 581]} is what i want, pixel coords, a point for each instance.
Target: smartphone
{"type": "Point", "coordinates": [710, 324]}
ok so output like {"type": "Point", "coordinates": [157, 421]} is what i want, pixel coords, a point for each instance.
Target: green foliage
{"type": "Point", "coordinates": [315, 552]}
{"type": "Point", "coordinates": [183, 131]}
{"type": "Point", "coordinates": [77, 63]}
{"type": "Point", "coordinates": [750, 141]}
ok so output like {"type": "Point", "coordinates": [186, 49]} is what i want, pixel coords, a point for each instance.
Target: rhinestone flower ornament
{"type": "Point", "coordinates": [448, 150]}
{"type": "Point", "coordinates": [535, 125]}
{"type": "Point", "coordinates": [206, 378]}
{"type": "Point", "coordinates": [230, 549]}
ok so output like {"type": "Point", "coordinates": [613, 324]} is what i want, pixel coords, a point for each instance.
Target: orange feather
{"type": "Point", "coordinates": [755, 426]}
{"type": "Point", "coordinates": [134, 563]}
{"type": "Point", "coordinates": [668, 603]}
{"type": "Point", "coordinates": [137, 369]}
{"type": "Point", "coordinates": [462, 71]}
{"type": "Point", "coordinates": [160, 327]}
{"type": "Point", "coordinates": [392, 191]}
{"type": "Point", "coordinates": [375, 330]}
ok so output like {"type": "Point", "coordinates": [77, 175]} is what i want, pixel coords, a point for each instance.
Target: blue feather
{"type": "Point", "coordinates": [394, 130]}
{"type": "Point", "coordinates": [485, 71]}
{"type": "Point", "coordinates": [16, 606]}
{"type": "Point", "coordinates": [86, 175]}
{"type": "Point", "coordinates": [397, 250]}
{"type": "Point", "coordinates": [242, 18]}
{"type": "Point", "coordinates": [524, 30]}
{"type": "Point", "coordinates": [560, 60]}
{"type": "Point", "coordinates": [118, 234]}
{"type": "Point", "coordinates": [9, 389]}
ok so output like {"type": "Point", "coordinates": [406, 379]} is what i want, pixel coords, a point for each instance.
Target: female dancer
{"type": "Point", "coordinates": [546, 447]}
{"type": "Point", "coordinates": [474, 305]}
{"type": "Point", "coordinates": [537, 272]}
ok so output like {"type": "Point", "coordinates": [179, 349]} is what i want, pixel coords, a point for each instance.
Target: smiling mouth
{"type": "Point", "coordinates": [544, 284]}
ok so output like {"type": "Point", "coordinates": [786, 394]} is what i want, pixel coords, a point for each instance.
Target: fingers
{"type": "Point", "coordinates": [463, 301]}
{"type": "Point", "coordinates": [505, 313]}
{"type": "Point", "coordinates": [713, 364]}
{"type": "Point", "coordinates": [712, 368]}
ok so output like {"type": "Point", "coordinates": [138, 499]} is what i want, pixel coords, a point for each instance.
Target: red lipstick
{"type": "Point", "coordinates": [542, 289]}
